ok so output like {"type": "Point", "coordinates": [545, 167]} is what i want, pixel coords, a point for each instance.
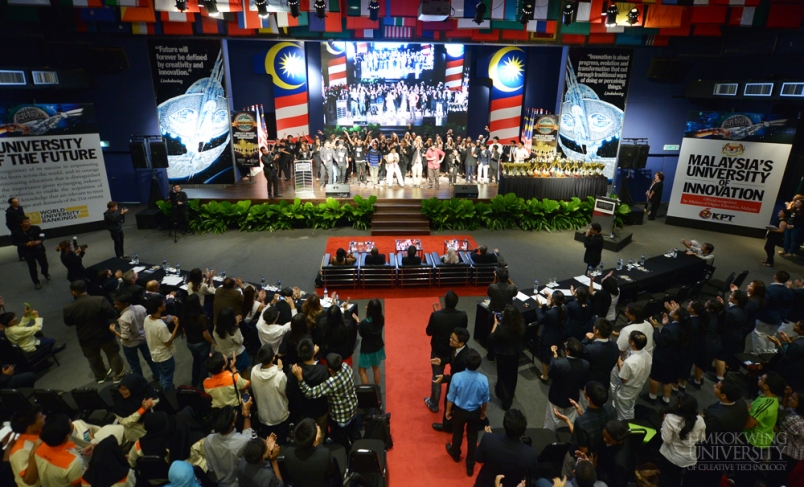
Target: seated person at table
{"type": "Point", "coordinates": [341, 257]}
{"type": "Point", "coordinates": [22, 333]}
{"type": "Point", "coordinates": [105, 284]}
{"type": "Point", "coordinates": [412, 258]}
{"type": "Point", "coordinates": [375, 257]}
{"type": "Point", "coordinates": [482, 256]}
{"type": "Point", "coordinates": [152, 289]}
{"type": "Point", "coordinates": [451, 257]}
{"type": "Point", "coordinates": [703, 251]}
{"type": "Point", "coordinates": [128, 282]}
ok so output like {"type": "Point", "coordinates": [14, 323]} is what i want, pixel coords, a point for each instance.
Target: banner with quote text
{"type": "Point", "coordinates": [51, 159]}
{"type": "Point", "coordinates": [730, 167]}
{"type": "Point", "coordinates": [593, 107]}
{"type": "Point", "coordinates": [193, 109]}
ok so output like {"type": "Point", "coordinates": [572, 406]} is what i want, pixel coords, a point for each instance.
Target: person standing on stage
{"type": "Point", "coordinates": [327, 158]}
{"type": "Point", "coordinates": [339, 165]}
{"type": "Point", "coordinates": [392, 165]}
{"type": "Point", "coordinates": [483, 160]}
{"type": "Point", "coordinates": [654, 194]}
{"type": "Point", "coordinates": [494, 160]}
{"type": "Point", "coordinates": [520, 154]}
{"type": "Point", "coordinates": [472, 153]}
{"type": "Point", "coordinates": [14, 216]}
{"type": "Point", "coordinates": [316, 156]}
{"type": "Point", "coordinates": [115, 218]}
{"type": "Point", "coordinates": [593, 241]}
{"type": "Point", "coordinates": [270, 171]}
{"type": "Point", "coordinates": [178, 201]}
{"type": "Point", "coordinates": [359, 156]}
{"type": "Point", "coordinates": [373, 156]}
{"type": "Point", "coordinates": [453, 166]}
{"type": "Point", "coordinates": [434, 156]}
{"type": "Point", "coordinates": [286, 157]}
{"type": "Point", "coordinates": [28, 239]}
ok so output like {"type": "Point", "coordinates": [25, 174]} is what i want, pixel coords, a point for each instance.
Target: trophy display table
{"type": "Point", "coordinates": [554, 188]}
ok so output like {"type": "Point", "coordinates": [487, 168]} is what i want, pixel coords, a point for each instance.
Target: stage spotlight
{"type": "Point", "coordinates": [568, 14]}
{"type": "Point", "coordinates": [262, 8]}
{"type": "Point", "coordinates": [527, 14]}
{"type": "Point", "coordinates": [320, 8]}
{"type": "Point", "coordinates": [605, 8]}
{"type": "Point", "coordinates": [480, 12]}
{"type": "Point", "coordinates": [611, 14]}
{"type": "Point", "coordinates": [181, 5]}
{"type": "Point", "coordinates": [294, 8]}
{"type": "Point", "coordinates": [212, 8]}
{"type": "Point", "coordinates": [374, 10]}
{"type": "Point", "coordinates": [633, 16]}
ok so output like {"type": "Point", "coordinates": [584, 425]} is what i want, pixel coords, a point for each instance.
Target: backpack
{"type": "Point", "coordinates": [378, 427]}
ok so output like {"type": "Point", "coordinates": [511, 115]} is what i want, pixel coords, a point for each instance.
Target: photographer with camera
{"type": "Point", "coordinates": [115, 218]}
{"type": "Point", "coordinates": [72, 260]}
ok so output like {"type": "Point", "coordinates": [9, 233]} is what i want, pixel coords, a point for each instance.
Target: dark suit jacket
{"type": "Point", "coordinates": [791, 363]}
{"type": "Point", "coordinates": [313, 467]}
{"type": "Point", "coordinates": [379, 260]}
{"type": "Point", "coordinates": [411, 260]}
{"type": "Point", "coordinates": [137, 292]}
{"type": "Point", "coordinates": [668, 344]}
{"type": "Point", "coordinates": [226, 298]}
{"type": "Point", "coordinates": [441, 325]}
{"type": "Point", "coordinates": [500, 294]}
{"type": "Point", "coordinates": [285, 313]}
{"type": "Point", "coordinates": [14, 217]}
{"type": "Point", "coordinates": [457, 364]}
{"type": "Point", "coordinates": [594, 249]}
{"type": "Point", "coordinates": [21, 238]}
{"type": "Point", "coordinates": [487, 258]}
{"type": "Point", "coordinates": [569, 376]}
{"type": "Point", "coordinates": [501, 455]}
{"type": "Point", "coordinates": [778, 300]}
{"type": "Point", "coordinates": [91, 316]}
{"type": "Point", "coordinates": [602, 356]}
{"type": "Point", "coordinates": [720, 418]}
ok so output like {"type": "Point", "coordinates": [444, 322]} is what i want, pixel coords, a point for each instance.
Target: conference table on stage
{"type": "Point", "coordinates": [659, 273]}
{"type": "Point", "coordinates": [170, 281]}
{"type": "Point", "coordinates": [553, 188]}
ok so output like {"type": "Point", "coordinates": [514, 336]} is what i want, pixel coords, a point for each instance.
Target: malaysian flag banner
{"type": "Point", "coordinates": [506, 68]}
{"type": "Point", "coordinates": [336, 66]}
{"type": "Point", "coordinates": [453, 75]}
{"type": "Point", "coordinates": [287, 65]}
{"type": "Point", "coordinates": [392, 32]}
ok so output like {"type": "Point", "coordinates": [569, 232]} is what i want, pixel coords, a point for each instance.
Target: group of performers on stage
{"type": "Point", "coordinates": [374, 159]}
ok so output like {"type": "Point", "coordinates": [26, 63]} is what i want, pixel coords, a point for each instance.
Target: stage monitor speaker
{"type": "Point", "coordinates": [338, 191]}
{"type": "Point", "coordinates": [625, 159]}
{"type": "Point", "coordinates": [465, 191]}
{"type": "Point", "coordinates": [641, 159]}
{"type": "Point", "coordinates": [159, 157]}
{"type": "Point", "coordinates": [139, 157]}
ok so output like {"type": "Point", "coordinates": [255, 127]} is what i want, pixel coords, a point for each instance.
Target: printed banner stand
{"type": "Point", "coordinates": [729, 171]}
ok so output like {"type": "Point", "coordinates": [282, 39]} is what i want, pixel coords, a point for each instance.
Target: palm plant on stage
{"type": "Point", "coordinates": [502, 212]}
{"type": "Point", "coordinates": [360, 214]}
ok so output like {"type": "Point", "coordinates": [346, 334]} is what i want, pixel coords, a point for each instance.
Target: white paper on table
{"type": "Point", "coordinates": [326, 302]}
{"type": "Point", "coordinates": [522, 296]}
{"type": "Point", "coordinates": [172, 280]}
{"type": "Point", "coordinates": [540, 299]}
{"type": "Point", "coordinates": [138, 269]}
{"type": "Point", "coordinates": [565, 292]}
{"type": "Point", "coordinates": [584, 280]}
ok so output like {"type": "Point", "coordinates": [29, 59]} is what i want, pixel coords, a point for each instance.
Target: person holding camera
{"type": "Point", "coordinates": [72, 260]}
{"type": "Point", "coordinates": [115, 218]}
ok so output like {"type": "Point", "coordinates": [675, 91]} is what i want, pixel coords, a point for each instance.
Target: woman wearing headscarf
{"type": "Point", "coordinates": [451, 257]}
{"type": "Point", "coordinates": [108, 467]}
{"type": "Point", "coordinates": [181, 474]}
{"type": "Point", "coordinates": [168, 437]}
{"type": "Point", "coordinates": [136, 398]}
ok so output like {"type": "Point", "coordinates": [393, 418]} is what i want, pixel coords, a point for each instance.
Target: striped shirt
{"type": "Point", "coordinates": [222, 388]}
{"type": "Point", "coordinates": [765, 410]}
{"type": "Point", "coordinates": [339, 390]}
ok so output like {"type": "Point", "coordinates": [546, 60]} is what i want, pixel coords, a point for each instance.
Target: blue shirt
{"type": "Point", "coordinates": [468, 390]}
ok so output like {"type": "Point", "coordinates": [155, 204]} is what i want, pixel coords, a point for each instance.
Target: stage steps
{"type": "Point", "coordinates": [399, 217]}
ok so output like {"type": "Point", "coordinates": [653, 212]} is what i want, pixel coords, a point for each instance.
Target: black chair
{"type": "Point", "coordinates": [720, 287]}
{"type": "Point", "coordinates": [540, 437]}
{"type": "Point", "coordinates": [551, 460]}
{"type": "Point", "coordinates": [369, 397]}
{"type": "Point", "coordinates": [533, 342]}
{"type": "Point", "coordinates": [152, 470]}
{"type": "Point", "coordinates": [89, 401]}
{"type": "Point", "coordinates": [635, 441]}
{"type": "Point", "coordinates": [54, 402]}
{"type": "Point", "coordinates": [338, 275]}
{"type": "Point", "coordinates": [199, 401]}
{"type": "Point", "coordinates": [24, 361]}
{"type": "Point", "coordinates": [367, 458]}
{"type": "Point", "coordinates": [740, 279]}
{"type": "Point", "coordinates": [377, 275]}
{"type": "Point", "coordinates": [451, 274]}
{"type": "Point", "coordinates": [695, 290]}
{"type": "Point", "coordinates": [415, 275]}
{"type": "Point", "coordinates": [652, 308]}
{"type": "Point", "coordinates": [14, 400]}
{"type": "Point", "coordinates": [482, 274]}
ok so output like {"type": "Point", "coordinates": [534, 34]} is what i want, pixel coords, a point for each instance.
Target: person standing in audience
{"type": "Point", "coordinates": [778, 300]}
{"type": "Point", "coordinates": [440, 327]}
{"type": "Point", "coordinates": [614, 457]}
{"type": "Point", "coordinates": [160, 340]}
{"type": "Point", "coordinates": [259, 466]}
{"type": "Point", "coordinates": [269, 330]}
{"type": "Point", "coordinates": [682, 429]}
{"type": "Point", "coordinates": [791, 356]}
{"type": "Point", "coordinates": [115, 218]}
{"type": "Point", "coordinates": [58, 460]}
{"type": "Point", "coordinates": [91, 317]}
{"type": "Point", "coordinates": [227, 296]}
{"type": "Point", "coordinates": [467, 400]}
{"type": "Point", "coordinates": [229, 339]}
{"type": "Point", "coordinates": [268, 383]}
{"type": "Point", "coordinates": [635, 320]}
{"type": "Point", "coordinates": [339, 334]}
{"type": "Point", "coordinates": [605, 299]}
{"type": "Point", "coordinates": [285, 303]}
{"type": "Point", "coordinates": [593, 243]}
{"type": "Point", "coordinates": [131, 324]}
{"type": "Point", "coordinates": [569, 374]}
{"type": "Point", "coordinates": [21, 450]}
{"type": "Point", "coordinates": [732, 325]}
{"type": "Point", "coordinates": [458, 341]}
{"type": "Point", "coordinates": [225, 385]}
{"type": "Point", "coordinates": [654, 194]}
{"type": "Point", "coordinates": [552, 321]}
{"type": "Point", "coordinates": [14, 216]}
{"type": "Point", "coordinates": [628, 377]}
{"type": "Point", "coordinates": [601, 353]}
{"type": "Point", "coordinates": [223, 449]}
{"type": "Point", "coordinates": [339, 390]}
{"type": "Point", "coordinates": [506, 455]}
{"type": "Point", "coordinates": [794, 232]}
{"type": "Point", "coordinates": [72, 260]}
{"type": "Point", "coordinates": [310, 464]}
{"type": "Point", "coordinates": [670, 342]}
{"type": "Point", "coordinates": [774, 237]}
{"type": "Point", "coordinates": [506, 337]}
{"type": "Point", "coordinates": [313, 373]}
{"type": "Point", "coordinates": [579, 314]}
{"type": "Point", "coordinates": [708, 343]}
{"type": "Point", "coordinates": [199, 339]}
{"type": "Point", "coordinates": [201, 284]}
{"type": "Point", "coordinates": [372, 347]}
{"type": "Point", "coordinates": [759, 430]}
{"type": "Point", "coordinates": [28, 239]}
{"type": "Point", "coordinates": [288, 346]}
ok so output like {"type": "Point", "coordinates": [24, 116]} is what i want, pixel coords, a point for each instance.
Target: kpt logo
{"type": "Point", "coordinates": [708, 214]}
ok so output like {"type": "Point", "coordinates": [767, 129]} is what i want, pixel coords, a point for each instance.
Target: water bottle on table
{"type": "Point", "coordinates": [262, 282]}
{"type": "Point", "coordinates": [620, 265]}
{"type": "Point", "coordinates": [326, 295]}
{"type": "Point", "coordinates": [630, 263]}
{"type": "Point", "coordinates": [600, 269]}
{"type": "Point", "coordinates": [675, 253]}
{"type": "Point", "coordinates": [642, 260]}
{"type": "Point", "coordinates": [136, 259]}
{"type": "Point", "coordinates": [178, 269]}
{"type": "Point", "coordinates": [164, 265]}
{"type": "Point", "coordinates": [535, 286]}
{"type": "Point", "coordinates": [278, 285]}
{"type": "Point", "coordinates": [223, 274]}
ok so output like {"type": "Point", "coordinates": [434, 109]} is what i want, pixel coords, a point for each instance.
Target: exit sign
{"type": "Point", "coordinates": [671, 147]}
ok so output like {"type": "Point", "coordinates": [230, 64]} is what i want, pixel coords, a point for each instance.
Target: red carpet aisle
{"type": "Point", "coordinates": [386, 245]}
{"type": "Point", "coordinates": [418, 456]}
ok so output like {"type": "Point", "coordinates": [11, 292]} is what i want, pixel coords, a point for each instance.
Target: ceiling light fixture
{"type": "Point", "coordinates": [181, 5]}
{"type": "Point", "coordinates": [480, 12]}
{"type": "Point", "coordinates": [320, 8]}
{"type": "Point", "coordinates": [374, 10]}
{"type": "Point", "coordinates": [611, 14]}
{"type": "Point", "coordinates": [527, 14]}
{"type": "Point", "coordinates": [294, 8]}
{"type": "Point", "coordinates": [212, 8]}
{"type": "Point", "coordinates": [633, 16]}
{"type": "Point", "coordinates": [568, 15]}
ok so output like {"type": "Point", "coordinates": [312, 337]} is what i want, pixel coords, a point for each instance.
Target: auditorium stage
{"type": "Point", "coordinates": [257, 191]}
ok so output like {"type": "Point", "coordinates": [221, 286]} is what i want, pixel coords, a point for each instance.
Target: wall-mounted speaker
{"type": "Point", "coordinates": [159, 158]}
{"type": "Point", "coordinates": [139, 156]}
{"type": "Point", "coordinates": [641, 158]}
{"type": "Point", "coordinates": [625, 158]}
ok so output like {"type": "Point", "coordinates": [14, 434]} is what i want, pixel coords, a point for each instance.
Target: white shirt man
{"type": "Point", "coordinates": [635, 323]}
{"type": "Point", "coordinates": [629, 375]}
{"type": "Point", "coordinates": [520, 154]}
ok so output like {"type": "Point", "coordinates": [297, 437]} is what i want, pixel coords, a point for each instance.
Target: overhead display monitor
{"type": "Point", "coordinates": [395, 84]}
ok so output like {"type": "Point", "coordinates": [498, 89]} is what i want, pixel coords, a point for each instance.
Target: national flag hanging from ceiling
{"type": "Point", "coordinates": [336, 67]}
{"type": "Point", "coordinates": [453, 76]}
{"type": "Point", "coordinates": [506, 68]}
{"type": "Point", "coordinates": [286, 63]}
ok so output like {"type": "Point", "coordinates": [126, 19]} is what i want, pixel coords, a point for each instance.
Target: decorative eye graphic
{"type": "Point", "coordinates": [184, 116]}
{"type": "Point", "coordinates": [600, 121]}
